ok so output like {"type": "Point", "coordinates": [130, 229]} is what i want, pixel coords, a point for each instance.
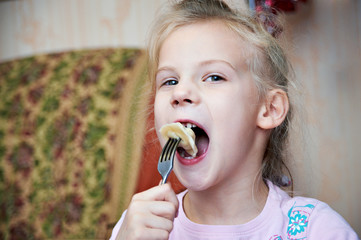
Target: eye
{"type": "Point", "coordinates": [170, 82]}
{"type": "Point", "coordinates": [213, 78]}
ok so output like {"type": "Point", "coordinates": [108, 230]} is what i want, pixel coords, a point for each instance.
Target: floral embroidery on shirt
{"type": "Point", "coordinates": [298, 221]}
{"type": "Point", "coordinates": [276, 237]}
{"type": "Point", "coordinates": [297, 224]}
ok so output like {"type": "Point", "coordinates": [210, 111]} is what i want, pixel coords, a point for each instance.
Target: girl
{"type": "Point", "coordinates": [219, 70]}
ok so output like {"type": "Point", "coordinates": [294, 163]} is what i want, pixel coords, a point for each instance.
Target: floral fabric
{"type": "Point", "coordinates": [70, 129]}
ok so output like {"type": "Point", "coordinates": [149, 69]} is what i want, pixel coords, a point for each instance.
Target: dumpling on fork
{"type": "Point", "coordinates": [186, 134]}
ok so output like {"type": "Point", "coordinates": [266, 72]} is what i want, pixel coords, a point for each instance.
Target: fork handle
{"type": "Point", "coordinates": [164, 180]}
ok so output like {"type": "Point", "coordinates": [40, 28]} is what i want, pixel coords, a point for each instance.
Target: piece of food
{"type": "Point", "coordinates": [185, 133]}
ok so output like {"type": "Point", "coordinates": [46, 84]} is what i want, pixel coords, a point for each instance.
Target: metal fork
{"type": "Point", "coordinates": [166, 158]}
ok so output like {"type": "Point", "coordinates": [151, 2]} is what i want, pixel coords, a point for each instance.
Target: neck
{"type": "Point", "coordinates": [235, 204]}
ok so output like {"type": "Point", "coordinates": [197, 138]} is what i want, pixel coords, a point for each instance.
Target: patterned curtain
{"type": "Point", "coordinates": [72, 127]}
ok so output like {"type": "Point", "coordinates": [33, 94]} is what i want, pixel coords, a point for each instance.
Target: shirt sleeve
{"type": "Point", "coordinates": [327, 224]}
{"type": "Point", "coordinates": [117, 226]}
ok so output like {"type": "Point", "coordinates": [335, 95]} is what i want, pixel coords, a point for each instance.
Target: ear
{"type": "Point", "coordinates": [274, 109]}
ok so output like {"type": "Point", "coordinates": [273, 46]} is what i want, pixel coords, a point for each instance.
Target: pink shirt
{"type": "Point", "coordinates": [282, 218]}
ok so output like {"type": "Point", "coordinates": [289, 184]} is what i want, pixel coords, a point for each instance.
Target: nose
{"type": "Point", "coordinates": [184, 93]}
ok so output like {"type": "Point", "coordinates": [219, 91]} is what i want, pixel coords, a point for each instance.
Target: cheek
{"type": "Point", "coordinates": [157, 124]}
{"type": "Point", "coordinates": [235, 116]}
{"type": "Point", "coordinates": [157, 118]}
{"type": "Point", "coordinates": [159, 113]}
{"type": "Point", "coordinates": [223, 107]}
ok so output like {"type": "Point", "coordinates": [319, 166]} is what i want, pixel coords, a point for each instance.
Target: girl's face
{"type": "Point", "coordinates": [203, 79]}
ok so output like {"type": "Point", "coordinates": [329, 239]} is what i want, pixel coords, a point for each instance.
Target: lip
{"type": "Point", "coordinates": [193, 161]}
{"type": "Point", "coordinates": [193, 122]}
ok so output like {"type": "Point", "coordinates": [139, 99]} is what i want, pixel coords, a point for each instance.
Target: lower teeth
{"type": "Point", "coordinates": [184, 154]}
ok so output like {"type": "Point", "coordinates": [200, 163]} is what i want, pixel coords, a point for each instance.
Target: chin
{"type": "Point", "coordinates": [193, 181]}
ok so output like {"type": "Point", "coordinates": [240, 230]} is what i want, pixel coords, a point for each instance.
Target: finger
{"type": "Point", "coordinates": [157, 222]}
{"type": "Point", "coordinates": [140, 221]}
{"type": "Point", "coordinates": [151, 233]}
{"type": "Point", "coordinates": [160, 208]}
{"type": "Point", "coordinates": [158, 193]}
{"type": "Point", "coordinates": [151, 194]}
{"type": "Point", "coordinates": [164, 209]}
{"type": "Point", "coordinates": [170, 195]}
{"type": "Point", "coordinates": [141, 231]}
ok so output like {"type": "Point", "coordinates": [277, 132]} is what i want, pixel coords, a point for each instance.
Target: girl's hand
{"type": "Point", "coordinates": [150, 214]}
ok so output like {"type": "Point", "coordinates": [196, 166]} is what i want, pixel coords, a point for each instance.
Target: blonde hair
{"type": "Point", "coordinates": [268, 63]}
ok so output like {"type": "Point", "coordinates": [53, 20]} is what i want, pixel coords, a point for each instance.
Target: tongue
{"type": "Point", "coordinates": [202, 144]}
{"type": "Point", "coordinates": [183, 153]}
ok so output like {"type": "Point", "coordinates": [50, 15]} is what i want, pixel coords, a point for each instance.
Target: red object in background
{"type": "Point", "coordinates": [267, 9]}
{"type": "Point", "coordinates": [277, 5]}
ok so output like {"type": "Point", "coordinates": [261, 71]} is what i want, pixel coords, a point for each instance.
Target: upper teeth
{"type": "Point", "coordinates": [189, 125]}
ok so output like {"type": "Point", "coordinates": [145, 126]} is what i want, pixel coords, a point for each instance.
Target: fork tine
{"type": "Point", "coordinates": [174, 148]}
{"type": "Point", "coordinates": [171, 150]}
{"type": "Point", "coordinates": [165, 163]}
{"type": "Point", "coordinates": [165, 150]}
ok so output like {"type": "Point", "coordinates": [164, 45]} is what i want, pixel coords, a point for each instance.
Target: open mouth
{"type": "Point", "coordinates": [201, 141]}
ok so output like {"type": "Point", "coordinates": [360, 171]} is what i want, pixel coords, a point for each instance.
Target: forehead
{"type": "Point", "coordinates": [205, 40]}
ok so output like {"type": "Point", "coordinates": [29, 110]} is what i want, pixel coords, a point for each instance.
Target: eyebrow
{"type": "Point", "coordinates": [209, 62]}
{"type": "Point", "coordinates": [165, 68]}
{"type": "Point", "coordinates": [204, 63]}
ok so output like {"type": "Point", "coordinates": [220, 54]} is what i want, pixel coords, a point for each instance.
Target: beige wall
{"type": "Point", "coordinates": [325, 36]}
